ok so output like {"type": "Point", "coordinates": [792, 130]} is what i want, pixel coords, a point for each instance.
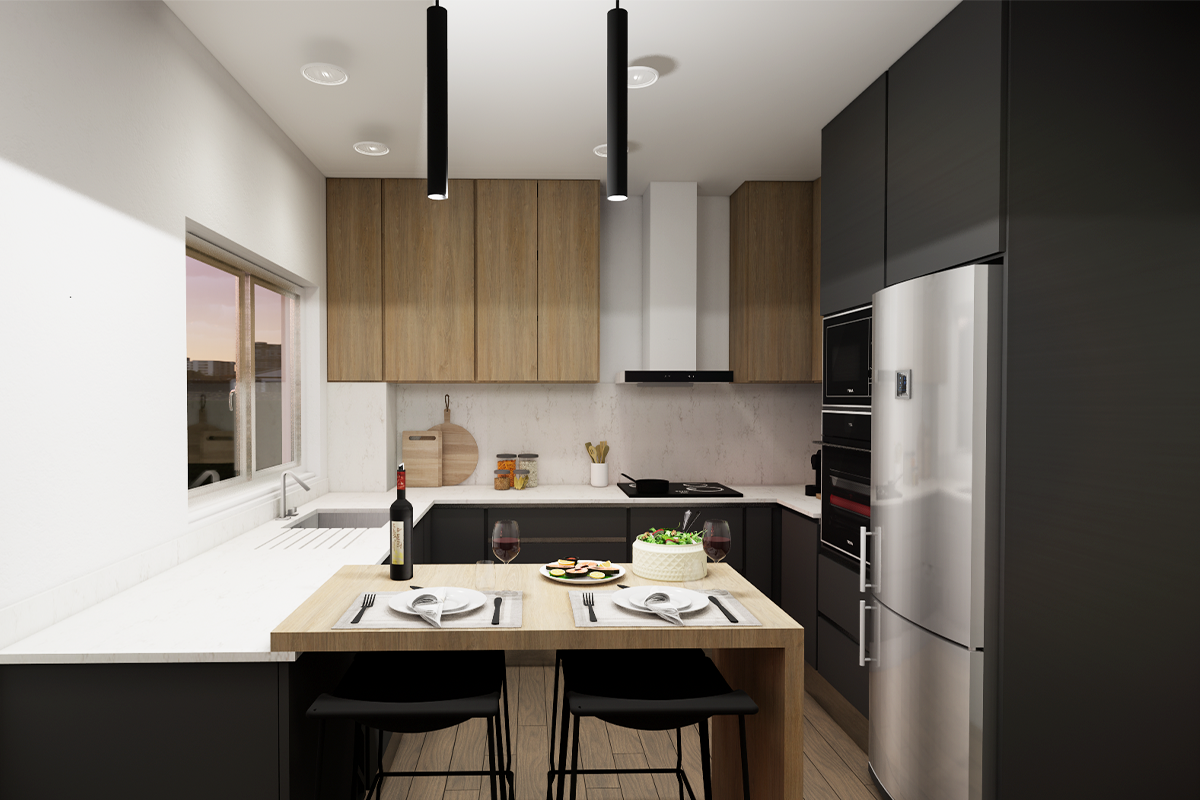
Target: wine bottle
{"type": "Point", "coordinates": [401, 514]}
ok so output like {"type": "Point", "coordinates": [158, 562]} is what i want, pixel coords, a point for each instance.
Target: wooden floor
{"type": "Point", "coordinates": [834, 767]}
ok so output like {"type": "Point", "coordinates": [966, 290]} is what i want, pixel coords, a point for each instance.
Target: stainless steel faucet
{"type": "Point", "coordinates": [288, 512]}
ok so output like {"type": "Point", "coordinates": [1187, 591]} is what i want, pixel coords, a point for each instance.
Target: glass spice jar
{"type": "Point", "coordinates": [506, 461]}
{"type": "Point", "coordinates": [520, 479]}
{"type": "Point", "coordinates": [529, 461]}
{"type": "Point", "coordinates": [503, 482]}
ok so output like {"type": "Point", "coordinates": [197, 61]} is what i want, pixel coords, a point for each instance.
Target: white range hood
{"type": "Point", "coordinates": [669, 291]}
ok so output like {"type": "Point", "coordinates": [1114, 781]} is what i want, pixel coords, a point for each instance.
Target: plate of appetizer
{"type": "Point", "coordinates": [577, 570]}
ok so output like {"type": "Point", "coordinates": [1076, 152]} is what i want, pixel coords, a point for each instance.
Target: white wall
{"type": "Point", "coordinates": [118, 128]}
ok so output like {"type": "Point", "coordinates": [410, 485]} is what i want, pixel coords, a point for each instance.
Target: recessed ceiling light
{"type": "Point", "coordinates": [326, 74]}
{"type": "Point", "coordinates": [372, 148]}
{"type": "Point", "coordinates": [641, 77]}
{"type": "Point", "coordinates": [602, 150]}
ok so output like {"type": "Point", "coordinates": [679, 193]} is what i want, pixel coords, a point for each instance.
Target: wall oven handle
{"type": "Point", "coordinates": [862, 633]}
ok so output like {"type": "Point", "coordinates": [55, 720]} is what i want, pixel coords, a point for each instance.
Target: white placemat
{"type": "Point", "coordinates": [381, 615]}
{"type": "Point", "coordinates": [611, 615]}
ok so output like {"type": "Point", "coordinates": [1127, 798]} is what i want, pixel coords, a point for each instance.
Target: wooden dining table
{"type": "Point", "coordinates": [766, 661]}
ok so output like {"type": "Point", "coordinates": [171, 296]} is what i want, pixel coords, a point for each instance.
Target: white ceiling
{"type": "Point", "coordinates": [752, 84]}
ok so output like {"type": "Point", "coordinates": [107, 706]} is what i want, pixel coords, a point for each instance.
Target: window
{"type": "Point", "coordinates": [242, 387]}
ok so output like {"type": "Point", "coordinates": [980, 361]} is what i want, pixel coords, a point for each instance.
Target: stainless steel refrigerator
{"type": "Point", "coordinates": [935, 472]}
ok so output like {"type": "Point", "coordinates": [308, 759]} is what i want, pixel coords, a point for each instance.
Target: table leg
{"type": "Point", "coordinates": [774, 678]}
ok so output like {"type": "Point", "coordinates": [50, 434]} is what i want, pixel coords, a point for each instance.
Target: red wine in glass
{"type": "Point", "coordinates": [506, 547]}
{"type": "Point", "coordinates": [716, 539]}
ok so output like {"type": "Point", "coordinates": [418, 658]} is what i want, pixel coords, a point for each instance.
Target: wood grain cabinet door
{"type": "Point", "coordinates": [770, 282]}
{"type": "Point", "coordinates": [428, 283]}
{"type": "Point", "coordinates": [568, 281]}
{"type": "Point", "coordinates": [353, 279]}
{"type": "Point", "coordinates": [506, 281]}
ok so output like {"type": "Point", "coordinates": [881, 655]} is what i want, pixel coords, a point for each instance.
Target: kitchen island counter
{"type": "Point", "coordinates": [221, 605]}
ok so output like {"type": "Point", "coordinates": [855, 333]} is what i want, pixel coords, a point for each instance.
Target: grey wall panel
{"type": "Point", "coordinates": [1098, 647]}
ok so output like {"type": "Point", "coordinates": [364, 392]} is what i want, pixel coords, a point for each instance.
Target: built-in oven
{"type": "Point", "coordinates": [846, 360]}
{"type": "Point", "coordinates": [846, 479]}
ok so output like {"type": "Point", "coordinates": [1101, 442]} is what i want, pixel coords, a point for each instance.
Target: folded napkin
{"type": "Point", "coordinates": [429, 605]}
{"type": "Point", "coordinates": [661, 604]}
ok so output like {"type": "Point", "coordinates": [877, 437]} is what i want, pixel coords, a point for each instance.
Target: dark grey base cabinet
{"type": "Point", "coordinates": [548, 534]}
{"type": "Point", "coordinates": [456, 535]}
{"type": "Point", "coordinates": [837, 629]}
{"type": "Point", "coordinates": [799, 540]}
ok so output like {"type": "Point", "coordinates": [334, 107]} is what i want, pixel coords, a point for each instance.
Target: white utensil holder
{"type": "Point", "coordinates": [599, 475]}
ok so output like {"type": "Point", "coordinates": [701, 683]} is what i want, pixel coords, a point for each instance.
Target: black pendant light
{"type": "Point", "coordinates": [437, 67]}
{"type": "Point", "coordinates": [618, 103]}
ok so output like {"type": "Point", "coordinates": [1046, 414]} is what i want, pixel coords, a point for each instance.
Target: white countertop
{"type": "Point", "coordinates": [223, 604]}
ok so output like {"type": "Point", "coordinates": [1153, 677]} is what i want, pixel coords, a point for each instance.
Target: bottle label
{"type": "Point", "coordinates": [398, 540]}
{"type": "Point", "coordinates": [400, 480]}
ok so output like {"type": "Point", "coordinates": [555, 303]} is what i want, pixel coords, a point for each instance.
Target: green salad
{"type": "Point", "coordinates": [668, 536]}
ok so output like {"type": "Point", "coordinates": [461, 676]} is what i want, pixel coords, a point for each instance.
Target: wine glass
{"type": "Point", "coordinates": [716, 539]}
{"type": "Point", "coordinates": [506, 540]}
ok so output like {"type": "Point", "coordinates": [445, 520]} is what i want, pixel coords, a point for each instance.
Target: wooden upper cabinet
{"type": "Point", "coordinates": [568, 332]}
{"type": "Point", "coordinates": [770, 282]}
{"type": "Point", "coordinates": [506, 281]}
{"type": "Point", "coordinates": [428, 283]}
{"type": "Point", "coordinates": [353, 279]}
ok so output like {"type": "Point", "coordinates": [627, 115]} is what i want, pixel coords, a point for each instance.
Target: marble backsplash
{"type": "Point", "coordinates": [735, 434]}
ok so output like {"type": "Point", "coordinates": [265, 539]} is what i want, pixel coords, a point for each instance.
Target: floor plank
{"type": "Point", "coordinates": [530, 761]}
{"type": "Point", "coordinates": [832, 768]}
{"type": "Point", "coordinates": [470, 746]}
{"type": "Point", "coordinates": [691, 759]}
{"type": "Point", "coordinates": [595, 752]}
{"type": "Point", "coordinates": [624, 740]}
{"type": "Point", "coordinates": [659, 747]}
{"type": "Point", "coordinates": [435, 755]}
{"type": "Point", "coordinates": [815, 785]}
{"type": "Point", "coordinates": [407, 753]}
{"type": "Point", "coordinates": [635, 787]}
{"type": "Point", "coordinates": [532, 709]}
{"type": "Point", "coordinates": [853, 757]}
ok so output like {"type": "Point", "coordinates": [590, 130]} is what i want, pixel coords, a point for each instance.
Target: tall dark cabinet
{"type": "Point", "coordinates": [945, 145]}
{"type": "Point", "coordinates": [853, 198]}
{"type": "Point", "coordinates": [1099, 647]}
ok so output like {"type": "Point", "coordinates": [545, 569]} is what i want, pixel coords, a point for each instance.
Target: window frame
{"type": "Point", "coordinates": [251, 275]}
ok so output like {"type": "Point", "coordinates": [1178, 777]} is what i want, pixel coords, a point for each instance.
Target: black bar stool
{"type": "Point", "coordinates": [420, 692]}
{"type": "Point", "coordinates": [644, 690]}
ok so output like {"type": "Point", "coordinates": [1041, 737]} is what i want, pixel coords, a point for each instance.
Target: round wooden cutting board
{"type": "Point", "coordinates": [460, 453]}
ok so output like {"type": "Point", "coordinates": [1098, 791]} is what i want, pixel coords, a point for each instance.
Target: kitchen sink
{"type": "Point", "coordinates": [355, 518]}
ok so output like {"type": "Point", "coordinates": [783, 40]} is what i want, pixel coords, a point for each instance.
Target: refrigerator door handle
{"type": "Point", "coordinates": [863, 533]}
{"type": "Point", "coordinates": [862, 633]}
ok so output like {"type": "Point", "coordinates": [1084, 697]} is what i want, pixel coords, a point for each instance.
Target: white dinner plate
{"type": "Point", "coordinates": [585, 581]}
{"type": "Point", "coordinates": [684, 600]}
{"type": "Point", "coordinates": [458, 600]}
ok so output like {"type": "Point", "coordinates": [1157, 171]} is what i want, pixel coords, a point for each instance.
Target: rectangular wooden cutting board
{"type": "Point", "coordinates": [421, 452]}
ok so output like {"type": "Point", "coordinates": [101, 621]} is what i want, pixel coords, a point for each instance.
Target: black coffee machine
{"type": "Point", "coordinates": [811, 489]}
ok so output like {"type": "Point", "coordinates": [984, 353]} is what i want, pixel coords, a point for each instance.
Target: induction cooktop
{"type": "Point", "coordinates": [696, 489]}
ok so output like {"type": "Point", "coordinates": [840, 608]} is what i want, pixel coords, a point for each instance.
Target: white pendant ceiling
{"type": "Point", "coordinates": [743, 92]}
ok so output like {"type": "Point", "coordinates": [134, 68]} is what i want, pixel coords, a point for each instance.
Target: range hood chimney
{"type": "Point", "coordinates": [669, 290]}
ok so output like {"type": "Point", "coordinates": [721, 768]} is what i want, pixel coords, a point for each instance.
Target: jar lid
{"type": "Point", "coordinates": [528, 455]}
{"type": "Point", "coordinates": [522, 472]}
{"type": "Point", "coordinates": [506, 455]}
{"type": "Point", "coordinates": [503, 471]}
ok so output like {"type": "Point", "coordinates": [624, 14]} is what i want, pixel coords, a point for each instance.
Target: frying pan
{"type": "Point", "coordinates": [648, 487]}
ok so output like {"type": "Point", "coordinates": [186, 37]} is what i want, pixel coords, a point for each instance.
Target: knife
{"type": "Point", "coordinates": [717, 603]}
{"type": "Point", "coordinates": [496, 614]}
{"type": "Point", "coordinates": [622, 586]}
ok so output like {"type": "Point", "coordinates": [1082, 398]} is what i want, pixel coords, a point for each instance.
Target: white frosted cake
{"type": "Point", "coordinates": [669, 562]}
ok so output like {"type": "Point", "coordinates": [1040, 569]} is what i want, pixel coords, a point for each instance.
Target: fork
{"type": "Point", "coordinates": [368, 601]}
{"type": "Point", "coordinates": [589, 600]}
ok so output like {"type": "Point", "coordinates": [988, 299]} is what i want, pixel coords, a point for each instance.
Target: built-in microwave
{"type": "Point", "coordinates": [846, 364]}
